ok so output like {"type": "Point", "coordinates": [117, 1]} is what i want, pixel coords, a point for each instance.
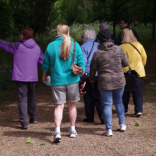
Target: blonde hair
{"type": "Point", "coordinates": [63, 30]}
{"type": "Point", "coordinates": [128, 36]}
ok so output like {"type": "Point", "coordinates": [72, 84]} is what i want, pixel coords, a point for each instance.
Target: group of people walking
{"type": "Point", "coordinates": [100, 55]}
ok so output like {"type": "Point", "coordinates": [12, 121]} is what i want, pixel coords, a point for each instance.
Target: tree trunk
{"type": "Point", "coordinates": [114, 24]}
{"type": "Point", "coordinates": [154, 15]}
{"type": "Point", "coordinates": [115, 17]}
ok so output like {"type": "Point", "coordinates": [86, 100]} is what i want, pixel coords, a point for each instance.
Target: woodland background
{"type": "Point", "coordinates": [44, 15]}
{"type": "Point", "coordinates": [41, 14]}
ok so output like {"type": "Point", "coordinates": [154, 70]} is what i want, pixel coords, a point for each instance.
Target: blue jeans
{"type": "Point", "coordinates": [106, 98]}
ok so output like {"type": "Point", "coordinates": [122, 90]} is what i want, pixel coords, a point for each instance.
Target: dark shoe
{"type": "Point", "coordinates": [102, 121]}
{"type": "Point", "coordinates": [87, 120]}
{"type": "Point", "coordinates": [24, 127]}
{"type": "Point", "coordinates": [32, 121]}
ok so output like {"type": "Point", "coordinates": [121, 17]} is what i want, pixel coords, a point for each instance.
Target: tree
{"type": "Point", "coordinates": [154, 18]}
{"type": "Point", "coordinates": [7, 24]}
{"type": "Point", "coordinates": [32, 13]}
{"type": "Point", "coordinates": [111, 10]}
{"type": "Point", "coordinates": [70, 11]}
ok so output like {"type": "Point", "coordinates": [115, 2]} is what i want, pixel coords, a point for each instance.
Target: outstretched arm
{"type": "Point", "coordinates": [9, 46]}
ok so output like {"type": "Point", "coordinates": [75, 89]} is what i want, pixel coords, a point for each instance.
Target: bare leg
{"type": "Point", "coordinates": [72, 113]}
{"type": "Point", "coordinates": [58, 113]}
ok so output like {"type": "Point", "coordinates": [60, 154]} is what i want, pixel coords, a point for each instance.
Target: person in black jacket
{"type": "Point", "coordinates": [104, 25]}
{"type": "Point", "coordinates": [124, 23]}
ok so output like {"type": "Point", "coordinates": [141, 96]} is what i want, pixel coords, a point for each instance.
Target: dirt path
{"type": "Point", "coordinates": [136, 141]}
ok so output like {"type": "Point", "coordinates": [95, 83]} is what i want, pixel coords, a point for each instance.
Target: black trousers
{"type": "Point", "coordinates": [137, 99]}
{"type": "Point", "coordinates": [92, 99]}
{"type": "Point", "coordinates": [26, 102]}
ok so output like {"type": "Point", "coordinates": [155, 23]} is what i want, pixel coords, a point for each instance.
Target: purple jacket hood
{"type": "Point", "coordinates": [29, 43]}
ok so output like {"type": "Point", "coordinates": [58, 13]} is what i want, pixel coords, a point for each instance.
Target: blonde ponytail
{"type": "Point", "coordinates": [63, 30]}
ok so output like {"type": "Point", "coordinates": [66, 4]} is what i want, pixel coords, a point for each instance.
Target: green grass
{"type": "Point", "coordinates": [30, 141]}
{"type": "Point", "coordinates": [138, 124]}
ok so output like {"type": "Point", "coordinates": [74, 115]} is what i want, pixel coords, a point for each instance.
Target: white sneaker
{"type": "Point", "coordinates": [126, 113]}
{"type": "Point", "coordinates": [57, 137]}
{"type": "Point", "coordinates": [138, 114]}
{"type": "Point", "coordinates": [122, 127]}
{"type": "Point", "coordinates": [73, 134]}
{"type": "Point", "coordinates": [108, 132]}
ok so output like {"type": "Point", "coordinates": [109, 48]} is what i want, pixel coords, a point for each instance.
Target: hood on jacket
{"type": "Point", "coordinates": [29, 43]}
{"type": "Point", "coordinates": [106, 46]}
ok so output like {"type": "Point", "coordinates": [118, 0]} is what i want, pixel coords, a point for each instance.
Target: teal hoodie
{"type": "Point", "coordinates": [61, 70]}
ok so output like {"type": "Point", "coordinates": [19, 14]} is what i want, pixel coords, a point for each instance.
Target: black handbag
{"type": "Point", "coordinates": [133, 80]}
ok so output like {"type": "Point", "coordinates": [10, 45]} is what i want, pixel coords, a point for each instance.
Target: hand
{"type": "Point", "coordinates": [44, 78]}
{"type": "Point", "coordinates": [79, 68]}
{"type": "Point", "coordinates": [83, 85]}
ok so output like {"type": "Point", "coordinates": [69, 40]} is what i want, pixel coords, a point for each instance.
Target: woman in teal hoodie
{"type": "Point", "coordinates": [65, 87]}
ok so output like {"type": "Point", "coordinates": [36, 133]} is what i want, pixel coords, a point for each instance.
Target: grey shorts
{"type": "Point", "coordinates": [63, 93]}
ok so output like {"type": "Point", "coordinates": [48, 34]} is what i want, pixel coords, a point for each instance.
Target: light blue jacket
{"type": "Point", "coordinates": [86, 48]}
{"type": "Point", "coordinates": [61, 70]}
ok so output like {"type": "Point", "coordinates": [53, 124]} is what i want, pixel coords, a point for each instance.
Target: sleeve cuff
{"type": "Point", "coordinates": [45, 69]}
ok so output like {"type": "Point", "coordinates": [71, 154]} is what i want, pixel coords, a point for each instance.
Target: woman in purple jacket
{"type": "Point", "coordinates": [27, 57]}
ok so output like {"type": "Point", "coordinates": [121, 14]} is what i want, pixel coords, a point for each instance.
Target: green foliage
{"type": "Point", "coordinates": [41, 14]}
{"type": "Point", "coordinates": [7, 24]}
{"type": "Point", "coordinates": [137, 123]}
{"type": "Point", "coordinates": [43, 39]}
{"type": "Point", "coordinates": [69, 11]}
{"type": "Point", "coordinates": [5, 64]}
{"type": "Point", "coordinates": [29, 140]}
{"type": "Point", "coordinates": [35, 14]}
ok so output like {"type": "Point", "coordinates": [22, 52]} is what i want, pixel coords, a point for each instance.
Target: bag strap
{"type": "Point", "coordinates": [134, 47]}
{"type": "Point", "coordinates": [74, 53]}
{"type": "Point", "coordinates": [138, 52]}
{"type": "Point", "coordinates": [91, 50]}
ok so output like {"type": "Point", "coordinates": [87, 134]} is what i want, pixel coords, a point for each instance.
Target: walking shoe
{"type": "Point", "coordinates": [122, 127]}
{"type": "Point", "coordinates": [108, 132]}
{"type": "Point", "coordinates": [24, 127]}
{"type": "Point", "coordinates": [57, 137]}
{"type": "Point", "coordinates": [126, 112]}
{"type": "Point", "coordinates": [73, 134]}
{"type": "Point", "coordinates": [32, 121]}
{"type": "Point", "coordinates": [87, 120]}
{"type": "Point", "coordinates": [138, 114]}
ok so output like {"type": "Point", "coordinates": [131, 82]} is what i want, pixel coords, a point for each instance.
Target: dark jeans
{"type": "Point", "coordinates": [91, 99]}
{"type": "Point", "coordinates": [26, 101]}
{"type": "Point", "coordinates": [137, 99]}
